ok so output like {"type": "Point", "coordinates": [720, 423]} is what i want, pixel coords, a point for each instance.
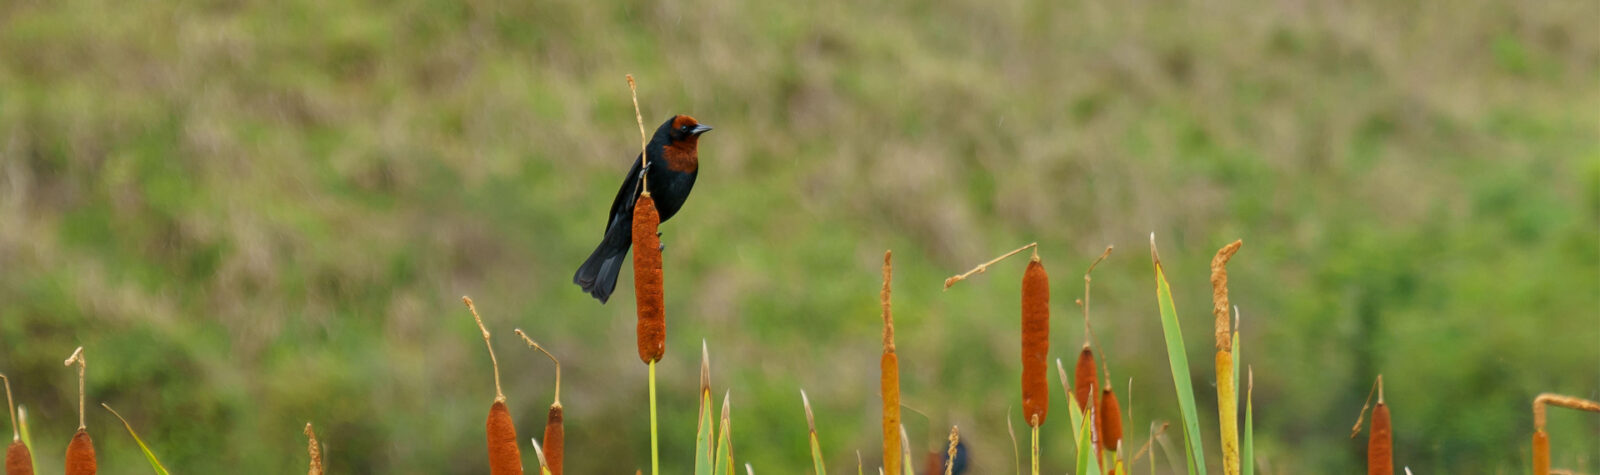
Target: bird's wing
{"type": "Point", "coordinates": [622, 206]}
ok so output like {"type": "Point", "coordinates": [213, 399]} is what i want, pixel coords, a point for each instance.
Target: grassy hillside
{"type": "Point", "coordinates": [259, 213]}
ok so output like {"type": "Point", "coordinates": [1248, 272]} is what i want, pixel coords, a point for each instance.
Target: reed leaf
{"type": "Point", "coordinates": [1179, 360]}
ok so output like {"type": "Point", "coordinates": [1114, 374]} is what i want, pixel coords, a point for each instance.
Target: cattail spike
{"type": "Point", "coordinates": [1035, 341]}
{"type": "Point", "coordinates": [314, 449]}
{"type": "Point", "coordinates": [647, 281]}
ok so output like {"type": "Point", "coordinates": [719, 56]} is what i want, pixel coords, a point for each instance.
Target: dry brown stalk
{"type": "Point", "coordinates": [1035, 341]}
{"type": "Point", "coordinates": [80, 452]}
{"type": "Point", "coordinates": [985, 266]}
{"type": "Point", "coordinates": [889, 378]}
{"type": "Point", "coordinates": [315, 450]}
{"type": "Point", "coordinates": [555, 436]}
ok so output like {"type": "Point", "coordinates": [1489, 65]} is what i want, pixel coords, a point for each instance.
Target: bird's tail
{"type": "Point", "coordinates": [598, 274]}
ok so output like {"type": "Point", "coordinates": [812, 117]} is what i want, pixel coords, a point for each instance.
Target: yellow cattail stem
{"type": "Point", "coordinates": [889, 379]}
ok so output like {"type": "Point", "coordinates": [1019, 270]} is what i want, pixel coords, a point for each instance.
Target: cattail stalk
{"type": "Point", "coordinates": [551, 452]}
{"type": "Point", "coordinates": [19, 461]}
{"type": "Point", "coordinates": [1541, 440]}
{"type": "Point", "coordinates": [1380, 442]}
{"type": "Point", "coordinates": [314, 449]}
{"type": "Point", "coordinates": [889, 378]}
{"type": "Point", "coordinates": [1227, 388]}
{"type": "Point", "coordinates": [80, 452]}
{"type": "Point", "coordinates": [1035, 341]}
{"type": "Point", "coordinates": [647, 285]}
{"type": "Point", "coordinates": [505, 458]}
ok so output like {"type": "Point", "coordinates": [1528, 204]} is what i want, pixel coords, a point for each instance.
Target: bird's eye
{"type": "Point", "coordinates": [684, 129]}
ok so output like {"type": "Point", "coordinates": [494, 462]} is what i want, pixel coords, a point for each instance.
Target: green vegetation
{"type": "Point", "coordinates": [261, 213]}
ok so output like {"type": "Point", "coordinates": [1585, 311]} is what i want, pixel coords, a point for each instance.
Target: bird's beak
{"type": "Point", "coordinates": [699, 129]}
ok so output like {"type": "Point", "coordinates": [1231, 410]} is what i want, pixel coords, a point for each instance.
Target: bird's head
{"type": "Point", "coordinates": [681, 130]}
{"type": "Point", "coordinates": [679, 138]}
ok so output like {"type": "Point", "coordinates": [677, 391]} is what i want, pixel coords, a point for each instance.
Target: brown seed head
{"type": "Point", "coordinates": [555, 440]}
{"type": "Point", "coordinates": [1035, 341]}
{"type": "Point", "coordinates": [80, 455]}
{"type": "Point", "coordinates": [647, 281]}
{"type": "Point", "coordinates": [504, 456]}
{"type": "Point", "coordinates": [1110, 419]}
{"type": "Point", "coordinates": [1380, 445]}
{"type": "Point", "coordinates": [18, 460]}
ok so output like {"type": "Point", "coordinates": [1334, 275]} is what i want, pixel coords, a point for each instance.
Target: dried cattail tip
{"type": "Point", "coordinates": [1110, 419]}
{"type": "Point", "coordinates": [555, 440]}
{"type": "Point", "coordinates": [80, 455]}
{"type": "Point", "coordinates": [314, 449]}
{"type": "Point", "coordinates": [1084, 380]}
{"type": "Point", "coordinates": [1035, 341]}
{"type": "Point", "coordinates": [647, 280]}
{"type": "Point", "coordinates": [504, 456]}
{"type": "Point", "coordinates": [18, 460]}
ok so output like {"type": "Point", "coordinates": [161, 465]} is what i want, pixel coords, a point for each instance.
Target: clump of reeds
{"type": "Point", "coordinates": [889, 379]}
{"type": "Point", "coordinates": [1227, 388]}
{"type": "Point", "coordinates": [314, 449]}
{"type": "Point", "coordinates": [80, 452]}
{"type": "Point", "coordinates": [504, 456]}
{"type": "Point", "coordinates": [555, 437]}
{"type": "Point", "coordinates": [19, 461]}
{"type": "Point", "coordinates": [1541, 440]}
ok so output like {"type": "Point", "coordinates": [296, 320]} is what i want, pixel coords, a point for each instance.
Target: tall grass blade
{"type": "Point", "coordinates": [816, 447]}
{"type": "Point", "coordinates": [1087, 463]}
{"type": "Point", "coordinates": [724, 455]}
{"type": "Point", "coordinates": [703, 451]}
{"type": "Point", "coordinates": [148, 455]}
{"type": "Point", "coordinates": [1194, 455]}
{"type": "Point", "coordinates": [1247, 454]}
{"type": "Point", "coordinates": [22, 424]}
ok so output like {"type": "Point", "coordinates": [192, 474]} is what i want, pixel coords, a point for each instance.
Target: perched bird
{"type": "Point", "coordinates": [671, 163]}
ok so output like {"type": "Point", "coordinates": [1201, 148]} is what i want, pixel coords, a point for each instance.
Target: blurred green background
{"type": "Point", "coordinates": [256, 214]}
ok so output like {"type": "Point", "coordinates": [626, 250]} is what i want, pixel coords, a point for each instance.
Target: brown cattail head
{"type": "Point", "coordinates": [1110, 419]}
{"type": "Point", "coordinates": [555, 440]}
{"type": "Point", "coordinates": [889, 379]}
{"type": "Point", "coordinates": [18, 460]}
{"type": "Point", "coordinates": [1035, 341]}
{"type": "Point", "coordinates": [1083, 381]}
{"type": "Point", "coordinates": [504, 456]}
{"type": "Point", "coordinates": [1380, 445]}
{"type": "Point", "coordinates": [80, 455]}
{"type": "Point", "coordinates": [647, 282]}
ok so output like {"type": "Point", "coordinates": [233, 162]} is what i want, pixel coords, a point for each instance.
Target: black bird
{"type": "Point", "coordinates": [671, 159]}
